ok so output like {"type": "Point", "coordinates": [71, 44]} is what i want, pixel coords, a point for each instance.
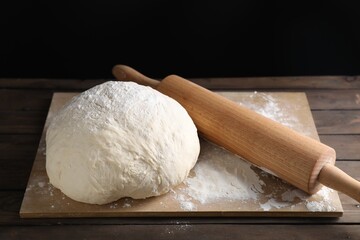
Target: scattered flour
{"type": "Point", "coordinates": [291, 194]}
{"type": "Point", "coordinates": [220, 174]}
{"type": "Point", "coordinates": [315, 203]}
{"type": "Point", "coordinates": [126, 205]}
{"type": "Point", "coordinates": [29, 187]}
{"type": "Point", "coordinates": [189, 206]}
{"type": "Point", "coordinates": [314, 206]}
{"type": "Point", "coordinates": [185, 202]}
{"type": "Point", "coordinates": [51, 190]}
{"type": "Point", "coordinates": [113, 206]}
{"type": "Point", "coordinates": [275, 109]}
{"type": "Point", "coordinates": [43, 150]}
{"type": "Point", "coordinates": [321, 201]}
{"type": "Point", "coordinates": [287, 199]}
{"type": "Point", "coordinates": [273, 203]}
{"type": "Point", "coordinates": [269, 107]}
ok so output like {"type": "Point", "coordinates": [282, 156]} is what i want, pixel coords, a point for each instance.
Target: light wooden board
{"type": "Point", "coordinates": [42, 200]}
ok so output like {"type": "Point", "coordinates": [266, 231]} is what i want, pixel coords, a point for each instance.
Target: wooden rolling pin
{"type": "Point", "coordinates": [297, 159]}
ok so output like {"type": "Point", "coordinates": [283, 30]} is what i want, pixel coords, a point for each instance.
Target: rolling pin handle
{"type": "Point", "coordinates": [126, 73]}
{"type": "Point", "coordinates": [335, 178]}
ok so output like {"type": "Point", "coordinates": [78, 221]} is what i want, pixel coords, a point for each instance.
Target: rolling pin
{"type": "Point", "coordinates": [295, 158]}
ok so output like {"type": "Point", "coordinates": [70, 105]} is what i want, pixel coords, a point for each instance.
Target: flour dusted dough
{"type": "Point", "coordinates": [120, 139]}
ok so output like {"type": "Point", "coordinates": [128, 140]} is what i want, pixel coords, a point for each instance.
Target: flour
{"type": "Point", "coordinates": [315, 203]}
{"type": "Point", "coordinates": [185, 201]}
{"type": "Point", "coordinates": [320, 201]}
{"type": "Point", "coordinates": [269, 106]}
{"type": "Point", "coordinates": [220, 174]}
{"type": "Point", "coordinates": [189, 206]}
{"type": "Point", "coordinates": [113, 205]}
{"type": "Point", "coordinates": [273, 203]}
{"type": "Point", "coordinates": [292, 194]}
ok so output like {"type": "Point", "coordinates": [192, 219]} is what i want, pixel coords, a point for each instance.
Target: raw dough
{"type": "Point", "coordinates": [120, 139]}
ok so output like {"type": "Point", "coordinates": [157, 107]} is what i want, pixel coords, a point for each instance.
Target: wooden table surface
{"type": "Point", "coordinates": [335, 105]}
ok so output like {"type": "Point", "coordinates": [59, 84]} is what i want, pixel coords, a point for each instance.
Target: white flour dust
{"type": "Point", "coordinates": [278, 110]}
{"type": "Point", "coordinates": [185, 201]}
{"type": "Point", "coordinates": [220, 174]}
{"type": "Point", "coordinates": [269, 107]}
{"type": "Point", "coordinates": [318, 202]}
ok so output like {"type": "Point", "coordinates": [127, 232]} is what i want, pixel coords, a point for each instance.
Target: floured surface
{"type": "Point", "coordinates": [221, 184]}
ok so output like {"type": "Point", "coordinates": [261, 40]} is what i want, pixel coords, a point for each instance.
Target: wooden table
{"type": "Point", "coordinates": [335, 105]}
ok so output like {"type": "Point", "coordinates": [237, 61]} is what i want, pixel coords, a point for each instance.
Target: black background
{"type": "Point", "coordinates": [84, 39]}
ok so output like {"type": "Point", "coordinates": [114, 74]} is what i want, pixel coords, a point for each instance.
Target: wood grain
{"type": "Point", "coordinates": [337, 122]}
{"type": "Point", "coordinates": [334, 99]}
{"type": "Point", "coordinates": [22, 122]}
{"type": "Point", "coordinates": [347, 147]}
{"type": "Point", "coordinates": [24, 100]}
{"type": "Point", "coordinates": [19, 146]}
{"type": "Point", "coordinates": [184, 231]}
{"type": "Point", "coordinates": [15, 173]}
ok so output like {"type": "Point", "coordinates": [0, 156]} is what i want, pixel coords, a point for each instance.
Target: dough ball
{"type": "Point", "coordinates": [120, 139]}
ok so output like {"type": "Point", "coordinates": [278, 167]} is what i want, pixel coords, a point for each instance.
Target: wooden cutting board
{"type": "Point", "coordinates": [221, 184]}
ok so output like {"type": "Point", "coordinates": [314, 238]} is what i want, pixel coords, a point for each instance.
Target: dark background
{"type": "Point", "coordinates": [84, 39]}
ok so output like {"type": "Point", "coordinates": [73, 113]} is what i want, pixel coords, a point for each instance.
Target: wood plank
{"type": "Point", "coordinates": [16, 158]}
{"type": "Point", "coordinates": [337, 122]}
{"type": "Point", "coordinates": [24, 100]}
{"type": "Point", "coordinates": [15, 173]}
{"type": "Point", "coordinates": [346, 146]}
{"type": "Point", "coordinates": [334, 99]}
{"type": "Point", "coordinates": [298, 82]}
{"type": "Point", "coordinates": [22, 122]}
{"type": "Point", "coordinates": [18, 146]}
{"type": "Point", "coordinates": [183, 231]}
{"type": "Point", "coordinates": [10, 202]}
